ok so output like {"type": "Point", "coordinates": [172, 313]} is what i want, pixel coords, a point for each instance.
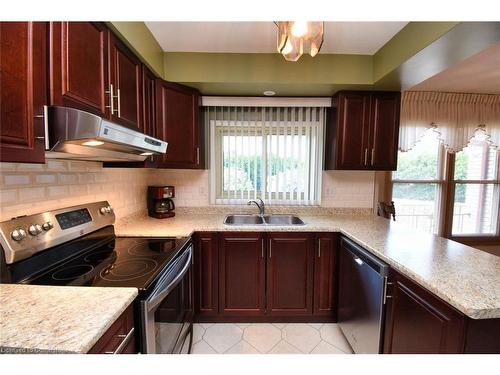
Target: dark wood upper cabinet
{"type": "Point", "coordinates": [362, 131]}
{"type": "Point", "coordinates": [290, 274]}
{"type": "Point", "coordinates": [79, 66]}
{"type": "Point", "coordinates": [149, 101]}
{"type": "Point", "coordinates": [242, 274]}
{"type": "Point", "coordinates": [23, 91]}
{"type": "Point", "coordinates": [177, 122]}
{"type": "Point", "coordinates": [325, 273]}
{"type": "Point", "coordinates": [206, 283]}
{"type": "Point", "coordinates": [417, 322]}
{"type": "Point", "coordinates": [125, 81]}
{"type": "Point", "coordinates": [384, 129]}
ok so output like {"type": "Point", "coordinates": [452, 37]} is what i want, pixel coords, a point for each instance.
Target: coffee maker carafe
{"type": "Point", "coordinates": [160, 203]}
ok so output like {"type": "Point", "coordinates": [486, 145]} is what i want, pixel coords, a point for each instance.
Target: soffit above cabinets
{"type": "Point", "coordinates": [477, 74]}
{"type": "Point", "coordinates": [361, 38]}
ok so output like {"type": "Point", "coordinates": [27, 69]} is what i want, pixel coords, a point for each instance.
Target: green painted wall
{"type": "Point", "coordinates": [410, 40]}
{"type": "Point", "coordinates": [267, 67]}
{"type": "Point", "coordinates": [251, 74]}
{"type": "Point", "coordinates": [138, 37]}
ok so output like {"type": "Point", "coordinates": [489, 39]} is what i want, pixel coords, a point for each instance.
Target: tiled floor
{"type": "Point", "coordinates": [258, 338]}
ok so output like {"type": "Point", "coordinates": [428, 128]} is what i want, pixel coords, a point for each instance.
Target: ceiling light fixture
{"type": "Point", "coordinates": [295, 37]}
{"type": "Point", "coordinates": [92, 143]}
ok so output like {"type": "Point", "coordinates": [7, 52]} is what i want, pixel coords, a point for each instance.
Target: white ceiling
{"type": "Point", "coordinates": [362, 38]}
{"type": "Point", "coordinates": [477, 74]}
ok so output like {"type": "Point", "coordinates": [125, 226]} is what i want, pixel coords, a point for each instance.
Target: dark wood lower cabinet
{"type": "Point", "coordinates": [292, 277]}
{"type": "Point", "coordinates": [119, 338]}
{"type": "Point", "coordinates": [206, 268]}
{"type": "Point", "coordinates": [290, 274]}
{"type": "Point", "coordinates": [419, 322]}
{"type": "Point", "coordinates": [325, 274]}
{"type": "Point", "coordinates": [242, 274]}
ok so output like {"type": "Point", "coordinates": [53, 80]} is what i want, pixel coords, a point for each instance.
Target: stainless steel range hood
{"type": "Point", "coordinates": [74, 134]}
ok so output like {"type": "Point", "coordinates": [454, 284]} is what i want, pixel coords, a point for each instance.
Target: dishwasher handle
{"type": "Point", "coordinates": [362, 257]}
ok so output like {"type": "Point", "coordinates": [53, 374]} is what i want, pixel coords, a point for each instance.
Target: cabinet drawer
{"type": "Point", "coordinates": [119, 338]}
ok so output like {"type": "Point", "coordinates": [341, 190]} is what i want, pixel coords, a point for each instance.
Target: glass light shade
{"type": "Point", "coordinates": [296, 37]}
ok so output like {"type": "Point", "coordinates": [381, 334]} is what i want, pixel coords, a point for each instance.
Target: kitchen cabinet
{"type": "Point", "coordinates": [325, 274]}
{"type": "Point", "coordinates": [362, 131]}
{"type": "Point", "coordinates": [119, 338]}
{"type": "Point", "coordinates": [242, 274]}
{"type": "Point", "coordinates": [177, 122]}
{"type": "Point", "coordinates": [23, 90]}
{"type": "Point", "coordinates": [419, 322]}
{"type": "Point", "coordinates": [290, 274]}
{"type": "Point", "coordinates": [79, 66]}
{"type": "Point", "coordinates": [125, 82]}
{"type": "Point", "coordinates": [206, 281]}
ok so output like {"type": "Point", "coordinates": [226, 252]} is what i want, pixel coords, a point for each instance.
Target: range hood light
{"type": "Point", "coordinates": [147, 154]}
{"type": "Point", "coordinates": [92, 143]}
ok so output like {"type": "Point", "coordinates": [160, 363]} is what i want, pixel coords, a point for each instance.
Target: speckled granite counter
{"type": "Point", "coordinates": [467, 278]}
{"type": "Point", "coordinates": [57, 319]}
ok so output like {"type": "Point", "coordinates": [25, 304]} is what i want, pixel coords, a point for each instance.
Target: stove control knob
{"type": "Point", "coordinates": [18, 234]}
{"type": "Point", "coordinates": [35, 229]}
{"type": "Point", "coordinates": [103, 210]}
{"type": "Point", "coordinates": [110, 209]}
{"type": "Point", "coordinates": [47, 226]}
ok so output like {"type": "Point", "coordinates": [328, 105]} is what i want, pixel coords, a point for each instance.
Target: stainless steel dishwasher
{"type": "Point", "coordinates": [362, 294]}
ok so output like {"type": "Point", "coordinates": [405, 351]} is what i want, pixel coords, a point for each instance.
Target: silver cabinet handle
{"type": "Point", "coordinates": [112, 97]}
{"type": "Point", "coordinates": [270, 249]}
{"type": "Point", "coordinates": [123, 344]}
{"type": "Point", "coordinates": [45, 118]}
{"type": "Point", "coordinates": [373, 155]}
{"type": "Point", "coordinates": [262, 249]}
{"type": "Point", "coordinates": [366, 156]}
{"type": "Point", "coordinates": [319, 248]}
{"type": "Point", "coordinates": [119, 103]}
{"type": "Point", "coordinates": [197, 155]}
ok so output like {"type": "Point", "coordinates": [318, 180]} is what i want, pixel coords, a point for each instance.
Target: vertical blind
{"type": "Point", "coordinates": [273, 153]}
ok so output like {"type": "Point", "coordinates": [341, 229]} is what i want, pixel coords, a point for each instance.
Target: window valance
{"type": "Point", "coordinates": [456, 117]}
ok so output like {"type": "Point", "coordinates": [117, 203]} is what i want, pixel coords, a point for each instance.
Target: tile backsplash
{"type": "Point", "coordinates": [32, 188]}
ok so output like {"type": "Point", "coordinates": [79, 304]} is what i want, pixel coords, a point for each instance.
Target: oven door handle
{"type": "Point", "coordinates": [154, 300]}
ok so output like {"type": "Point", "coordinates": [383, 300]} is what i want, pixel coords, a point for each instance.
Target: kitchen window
{"type": "Point", "coordinates": [452, 194]}
{"type": "Point", "coordinates": [273, 153]}
{"type": "Point", "coordinates": [417, 184]}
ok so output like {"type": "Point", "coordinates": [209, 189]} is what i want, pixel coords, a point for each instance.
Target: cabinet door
{"type": "Point", "coordinates": [125, 74]}
{"type": "Point", "coordinates": [418, 322]}
{"type": "Point", "coordinates": [206, 274]}
{"type": "Point", "coordinates": [22, 91]}
{"type": "Point", "coordinates": [352, 131]}
{"type": "Point", "coordinates": [290, 274]}
{"type": "Point", "coordinates": [384, 130]}
{"type": "Point", "coordinates": [325, 280]}
{"type": "Point", "coordinates": [79, 66]}
{"type": "Point", "coordinates": [241, 272]}
{"type": "Point", "coordinates": [149, 111]}
{"type": "Point", "coordinates": [177, 123]}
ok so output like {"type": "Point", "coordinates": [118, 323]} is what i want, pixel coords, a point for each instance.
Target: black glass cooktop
{"type": "Point", "coordinates": [111, 261]}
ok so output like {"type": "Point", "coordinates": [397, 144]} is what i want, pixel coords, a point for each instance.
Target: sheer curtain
{"type": "Point", "coordinates": [456, 117]}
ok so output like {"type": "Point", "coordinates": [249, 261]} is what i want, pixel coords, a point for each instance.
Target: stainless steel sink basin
{"type": "Point", "coordinates": [243, 220]}
{"type": "Point", "coordinates": [283, 220]}
{"type": "Point", "coordinates": [266, 220]}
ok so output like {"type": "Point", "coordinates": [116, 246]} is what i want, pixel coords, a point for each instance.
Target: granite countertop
{"type": "Point", "coordinates": [57, 319]}
{"type": "Point", "coordinates": [466, 278]}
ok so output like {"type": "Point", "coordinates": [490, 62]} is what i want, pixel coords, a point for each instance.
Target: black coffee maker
{"type": "Point", "coordinates": [160, 203]}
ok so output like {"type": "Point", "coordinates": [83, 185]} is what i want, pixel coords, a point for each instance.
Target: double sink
{"type": "Point", "coordinates": [263, 220]}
